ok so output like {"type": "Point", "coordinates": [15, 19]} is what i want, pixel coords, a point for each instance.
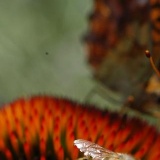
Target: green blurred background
{"type": "Point", "coordinates": [41, 50]}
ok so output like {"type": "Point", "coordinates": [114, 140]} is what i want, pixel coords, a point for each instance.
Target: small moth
{"type": "Point", "coordinates": [96, 152]}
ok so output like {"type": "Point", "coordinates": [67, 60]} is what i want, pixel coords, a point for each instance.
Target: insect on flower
{"type": "Point", "coordinates": [96, 152]}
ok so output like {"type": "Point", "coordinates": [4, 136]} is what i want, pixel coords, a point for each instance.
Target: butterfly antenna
{"type": "Point", "coordinates": [148, 54]}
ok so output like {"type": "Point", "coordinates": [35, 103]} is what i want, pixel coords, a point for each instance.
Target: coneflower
{"type": "Point", "coordinates": [46, 127]}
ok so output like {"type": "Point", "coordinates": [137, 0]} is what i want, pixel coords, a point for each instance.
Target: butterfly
{"type": "Point", "coordinates": [94, 151]}
{"type": "Point", "coordinates": [116, 53]}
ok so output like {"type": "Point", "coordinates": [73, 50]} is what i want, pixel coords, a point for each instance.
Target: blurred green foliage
{"type": "Point", "coordinates": [40, 48]}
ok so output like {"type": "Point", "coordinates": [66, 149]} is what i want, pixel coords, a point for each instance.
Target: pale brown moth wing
{"type": "Point", "coordinates": [95, 151]}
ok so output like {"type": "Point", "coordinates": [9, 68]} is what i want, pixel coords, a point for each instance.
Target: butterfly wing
{"type": "Point", "coordinates": [95, 151]}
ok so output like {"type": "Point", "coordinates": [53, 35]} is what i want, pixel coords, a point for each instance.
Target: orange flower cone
{"type": "Point", "coordinates": [45, 128]}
